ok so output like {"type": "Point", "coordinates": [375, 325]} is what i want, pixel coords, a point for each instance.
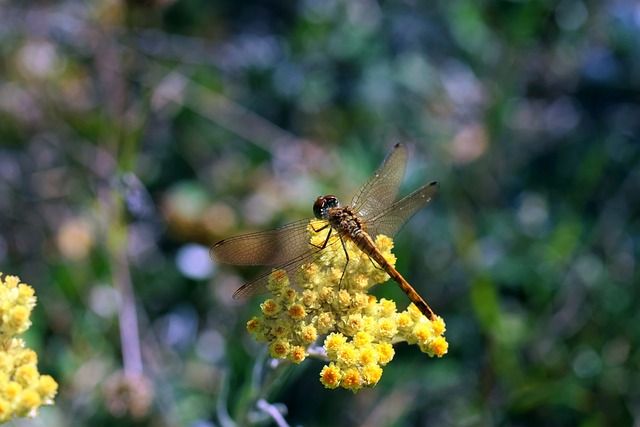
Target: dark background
{"type": "Point", "coordinates": [133, 135]}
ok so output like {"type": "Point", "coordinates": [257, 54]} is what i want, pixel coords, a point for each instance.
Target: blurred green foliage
{"type": "Point", "coordinates": [133, 135]}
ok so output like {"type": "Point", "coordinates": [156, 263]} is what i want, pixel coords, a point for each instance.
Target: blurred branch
{"type": "Point", "coordinates": [129, 334]}
{"type": "Point", "coordinates": [273, 412]}
{"type": "Point", "coordinates": [223, 396]}
{"type": "Point", "coordinates": [391, 408]}
{"type": "Point", "coordinates": [175, 86]}
{"type": "Point", "coordinates": [112, 83]}
{"type": "Point", "coordinates": [267, 375]}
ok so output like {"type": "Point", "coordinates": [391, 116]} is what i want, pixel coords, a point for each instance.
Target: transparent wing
{"type": "Point", "coordinates": [271, 247]}
{"type": "Point", "coordinates": [391, 219]}
{"type": "Point", "coordinates": [292, 266]}
{"type": "Point", "coordinates": [283, 248]}
{"type": "Point", "coordinates": [258, 286]}
{"type": "Point", "coordinates": [381, 190]}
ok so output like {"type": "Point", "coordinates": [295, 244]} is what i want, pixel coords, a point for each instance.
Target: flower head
{"type": "Point", "coordinates": [328, 299]}
{"type": "Point", "coordinates": [22, 389]}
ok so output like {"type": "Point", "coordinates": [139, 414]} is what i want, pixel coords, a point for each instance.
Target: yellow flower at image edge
{"type": "Point", "coordinates": [22, 389]}
{"type": "Point", "coordinates": [359, 329]}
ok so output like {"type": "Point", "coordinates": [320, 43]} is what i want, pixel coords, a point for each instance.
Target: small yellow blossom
{"type": "Point", "coordinates": [12, 390]}
{"type": "Point", "coordinates": [22, 389]}
{"type": "Point", "coordinates": [414, 312]}
{"type": "Point", "coordinates": [26, 374]}
{"type": "Point", "coordinates": [16, 302]}
{"type": "Point", "coordinates": [309, 334]}
{"type": "Point", "coordinates": [352, 379]}
{"type": "Point", "coordinates": [439, 346]}
{"type": "Point", "coordinates": [329, 298]}
{"type": "Point", "coordinates": [360, 300]}
{"type": "Point", "coordinates": [309, 275]}
{"type": "Point", "coordinates": [29, 401]}
{"type": "Point", "coordinates": [253, 324]}
{"type": "Point", "coordinates": [280, 328]}
{"type": "Point", "coordinates": [387, 307]}
{"type": "Point", "coordinates": [309, 298]}
{"type": "Point", "coordinates": [278, 281]}
{"type": "Point", "coordinates": [369, 324]}
{"type": "Point", "coordinates": [47, 387]}
{"type": "Point", "coordinates": [330, 376]}
{"type": "Point", "coordinates": [348, 354]}
{"type": "Point", "coordinates": [372, 374]}
{"type": "Point", "coordinates": [361, 339]}
{"type": "Point", "coordinates": [344, 298]}
{"type": "Point", "coordinates": [385, 244]}
{"type": "Point", "coordinates": [334, 342]}
{"type": "Point", "coordinates": [353, 323]}
{"type": "Point", "coordinates": [438, 325]}
{"type": "Point", "coordinates": [270, 308]}
{"type": "Point", "coordinates": [25, 292]}
{"type": "Point", "coordinates": [422, 331]}
{"type": "Point", "coordinates": [27, 357]}
{"type": "Point", "coordinates": [369, 356]}
{"type": "Point", "coordinates": [404, 321]}
{"type": "Point", "coordinates": [17, 317]}
{"type": "Point", "coordinates": [297, 311]}
{"type": "Point", "coordinates": [288, 297]}
{"type": "Point", "coordinates": [326, 295]}
{"type": "Point", "coordinates": [385, 352]}
{"type": "Point", "coordinates": [387, 327]}
{"type": "Point", "coordinates": [325, 321]}
{"type": "Point", "coordinates": [360, 281]}
{"type": "Point", "coordinates": [6, 410]}
{"type": "Point", "coordinates": [297, 354]}
{"type": "Point", "coordinates": [279, 349]}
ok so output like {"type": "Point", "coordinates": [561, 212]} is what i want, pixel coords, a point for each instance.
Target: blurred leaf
{"type": "Point", "coordinates": [484, 300]}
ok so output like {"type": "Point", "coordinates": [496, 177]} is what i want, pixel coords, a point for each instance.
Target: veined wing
{"type": "Point", "coordinates": [391, 219]}
{"type": "Point", "coordinates": [258, 286]}
{"type": "Point", "coordinates": [271, 247]}
{"type": "Point", "coordinates": [290, 264]}
{"type": "Point", "coordinates": [284, 248]}
{"type": "Point", "coordinates": [381, 189]}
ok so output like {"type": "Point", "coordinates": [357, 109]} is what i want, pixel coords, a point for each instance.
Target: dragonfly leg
{"type": "Point", "coordinates": [375, 264]}
{"type": "Point", "coordinates": [324, 245]}
{"type": "Point", "coordinates": [319, 229]}
{"type": "Point", "coordinates": [346, 262]}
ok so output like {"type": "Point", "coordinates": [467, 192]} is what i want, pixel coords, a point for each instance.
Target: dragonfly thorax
{"type": "Point", "coordinates": [323, 204]}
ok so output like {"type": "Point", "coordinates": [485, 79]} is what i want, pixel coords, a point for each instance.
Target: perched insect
{"type": "Point", "coordinates": [373, 211]}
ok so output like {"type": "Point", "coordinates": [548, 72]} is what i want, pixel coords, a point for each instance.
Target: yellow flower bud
{"type": "Point", "coordinates": [297, 311]}
{"type": "Point", "coordinates": [279, 349]}
{"type": "Point", "coordinates": [12, 390]}
{"type": "Point", "coordinates": [330, 376]}
{"type": "Point", "coordinates": [351, 379]}
{"type": "Point", "coordinates": [385, 353]}
{"type": "Point", "coordinates": [309, 334]}
{"type": "Point", "coordinates": [270, 307]}
{"type": "Point", "coordinates": [439, 346]}
{"type": "Point", "coordinates": [297, 354]}
{"type": "Point", "coordinates": [47, 387]}
{"type": "Point", "coordinates": [372, 374]}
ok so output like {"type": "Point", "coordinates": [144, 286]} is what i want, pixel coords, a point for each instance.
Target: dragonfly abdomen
{"type": "Point", "coordinates": [365, 243]}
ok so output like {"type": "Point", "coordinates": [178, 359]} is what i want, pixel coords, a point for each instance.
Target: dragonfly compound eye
{"type": "Point", "coordinates": [323, 204]}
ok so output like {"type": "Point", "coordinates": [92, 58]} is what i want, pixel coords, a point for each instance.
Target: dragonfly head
{"type": "Point", "coordinates": [323, 204]}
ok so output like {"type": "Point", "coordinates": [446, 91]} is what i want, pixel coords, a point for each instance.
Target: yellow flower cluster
{"type": "Point", "coordinates": [22, 389]}
{"type": "Point", "coordinates": [360, 330]}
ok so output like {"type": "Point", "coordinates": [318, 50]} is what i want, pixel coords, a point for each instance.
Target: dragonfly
{"type": "Point", "coordinates": [373, 210]}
